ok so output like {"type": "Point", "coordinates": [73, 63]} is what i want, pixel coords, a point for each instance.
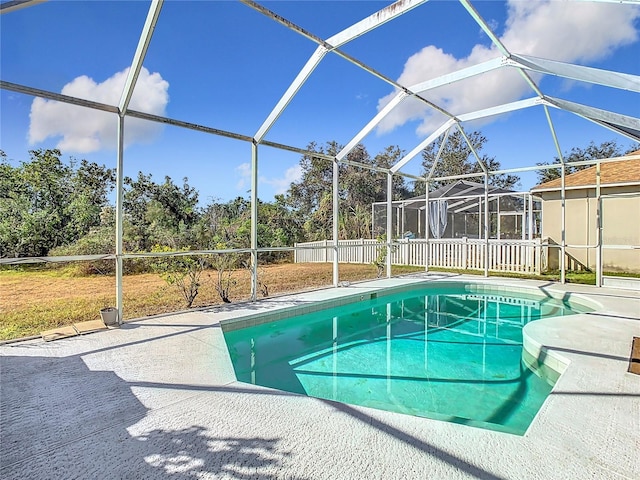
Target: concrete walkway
{"type": "Point", "coordinates": [158, 399]}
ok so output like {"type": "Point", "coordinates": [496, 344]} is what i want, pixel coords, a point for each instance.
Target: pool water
{"type": "Point", "coordinates": [444, 355]}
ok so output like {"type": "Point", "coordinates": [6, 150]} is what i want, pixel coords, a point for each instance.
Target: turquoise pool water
{"type": "Point", "coordinates": [442, 354]}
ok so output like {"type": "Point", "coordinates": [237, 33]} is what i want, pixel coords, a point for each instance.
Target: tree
{"type": "Point", "coordinates": [607, 149]}
{"type": "Point", "coordinates": [278, 226]}
{"type": "Point", "coordinates": [46, 183]}
{"type": "Point", "coordinates": [45, 203]}
{"type": "Point", "coordinates": [386, 159]}
{"type": "Point", "coordinates": [14, 203]}
{"type": "Point", "coordinates": [458, 159]}
{"type": "Point", "coordinates": [228, 223]}
{"type": "Point", "coordinates": [311, 196]}
{"type": "Point", "coordinates": [356, 223]}
{"type": "Point", "coordinates": [91, 184]}
{"type": "Point", "coordinates": [358, 187]}
{"type": "Point", "coordinates": [158, 213]}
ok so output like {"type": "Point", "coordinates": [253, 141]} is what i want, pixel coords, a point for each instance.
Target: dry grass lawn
{"type": "Point", "coordinates": [34, 301]}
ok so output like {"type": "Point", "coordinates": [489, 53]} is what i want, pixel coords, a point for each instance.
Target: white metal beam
{"type": "Point", "coordinates": [500, 109]}
{"type": "Point", "coordinates": [486, 215]}
{"type": "Point", "coordinates": [127, 92]}
{"type": "Point", "coordinates": [138, 57]}
{"type": "Point", "coordinates": [289, 148]}
{"type": "Point", "coordinates": [14, 5]}
{"type": "Point", "coordinates": [119, 227]}
{"type": "Point", "coordinates": [55, 259]}
{"type": "Point", "coordinates": [346, 35]}
{"type": "Point", "coordinates": [421, 87]}
{"type": "Point", "coordinates": [497, 42]}
{"type": "Point", "coordinates": [485, 27]}
{"type": "Point", "coordinates": [458, 177]}
{"type": "Point", "coordinates": [595, 113]}
{"type": "Point", "coordinates": [563, 198]}
{"type": "Point", "coordinates": [373, 21]}
{"type": "Point", "coordinates": [191, 126]}
{"type": "Point", "coordinates": [149, 116]}
{"type": "Point", "coordinates": [389, 239]}
{"type": "Point", "coordinates": [458, 75]}
{"type": "Point", "coordinates": [254, 221]}
{"type": "Point", "coordinates": [553, 133]}
{"type": "Point", "coordinates": [599, 237]}
{"type": "Point", "coordinates": [404, 160]}
{"type": "Point", "coordinates": [37, 92]}
{"type": "Point", "coordinates": [400, 96]}
{"type": "Point", "coordinates": [336, 221]}
{"type": "Point", "coordinates": [473, 150]}
{"type": "Point", "coordinates": [622, 124]}
{"type": "Point", "coordinates": [608, 78]}
{"type": "Point", "coordinates": [438, 155]}
{"type": "Point", "coordinates": [294, 87]}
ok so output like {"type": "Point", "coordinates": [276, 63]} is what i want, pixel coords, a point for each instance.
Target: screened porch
{"type": "Point", "coordinates": [457, 210]}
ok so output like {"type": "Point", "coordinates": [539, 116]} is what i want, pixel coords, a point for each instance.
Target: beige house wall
{"type": "Point", "coordinates": [621, 226]}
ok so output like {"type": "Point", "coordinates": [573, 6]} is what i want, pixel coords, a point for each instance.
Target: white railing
{"type": "Point", "coordinates": [523, 256]}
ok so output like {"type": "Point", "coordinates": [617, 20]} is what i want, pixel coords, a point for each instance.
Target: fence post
{"type": "Point", "coordinates": [561, 262]}
{"type": "Point", "coordinates": [465, 253]}
{"type": "Point", "coordinates": [325, 251]}
{"type": "Point", "coordinates": [405, 253]}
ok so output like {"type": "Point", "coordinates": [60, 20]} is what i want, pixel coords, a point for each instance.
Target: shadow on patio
{"type": "Point", "coordinates": [58, 419]}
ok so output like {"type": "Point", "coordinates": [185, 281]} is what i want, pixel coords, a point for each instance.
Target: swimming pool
{"type": "Point", "coordinates": [450, 352]}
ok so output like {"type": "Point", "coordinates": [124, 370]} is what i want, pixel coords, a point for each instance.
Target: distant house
{"type": "Point", "coordinates": [620, 201]}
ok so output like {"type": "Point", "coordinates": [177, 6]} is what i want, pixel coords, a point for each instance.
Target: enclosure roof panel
{"type": "Point", "coordinates": [457, 190]}
{"type": "Point", "coordinates": [464, 187]}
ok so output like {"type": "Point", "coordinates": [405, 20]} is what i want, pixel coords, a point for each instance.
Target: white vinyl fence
{"type": "Point", "coordinates": [522, 256]}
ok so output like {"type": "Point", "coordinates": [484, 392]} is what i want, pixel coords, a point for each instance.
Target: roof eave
{"type": "Point", "coordinates": [586, 187]}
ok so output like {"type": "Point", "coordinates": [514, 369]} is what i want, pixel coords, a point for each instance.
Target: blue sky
{"type": "Point", "coordinates": [223, 65]}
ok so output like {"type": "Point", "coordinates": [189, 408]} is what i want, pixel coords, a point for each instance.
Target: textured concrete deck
{"type": "Point", "coordinates": [158, 398]}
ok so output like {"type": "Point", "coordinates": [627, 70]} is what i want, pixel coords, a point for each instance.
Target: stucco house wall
{"type": "Point", "coordinates": [620, 222]}
{"type": "Point", "coordinates": [620, 192]}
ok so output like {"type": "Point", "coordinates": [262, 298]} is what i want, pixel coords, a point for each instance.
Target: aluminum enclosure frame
{"type": "Point", "coordinates": [626, 126]}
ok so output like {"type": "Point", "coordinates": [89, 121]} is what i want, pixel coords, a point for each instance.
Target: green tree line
{"type": "Point", "coordinates": [52, 207]}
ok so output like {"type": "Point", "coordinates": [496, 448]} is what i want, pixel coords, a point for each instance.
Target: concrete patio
{"type": "Point", "coordinates": [158, 398]}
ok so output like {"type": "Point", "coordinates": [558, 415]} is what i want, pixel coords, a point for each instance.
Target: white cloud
{"type": "Point", "coordinates": [494, 25]}
{"type": "Point", "coordinates": [281, 185]}
{"type": "Point", "coordinates": [244, 172]}
{"type": "Point", "coordinates": [564, 31]}
{"type": "Point", "coordinates": [86, 130]}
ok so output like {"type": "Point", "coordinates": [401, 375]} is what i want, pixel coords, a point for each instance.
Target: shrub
{"type": "Point", "coordinates": [180, 270]}
{"type": "Point", "coordinates": [99, 241]}
{"type": "Point", "coordinates": [224, 263]}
